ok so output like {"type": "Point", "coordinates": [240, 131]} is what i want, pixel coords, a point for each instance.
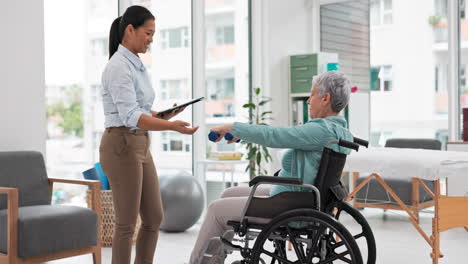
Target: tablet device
{"type": "Point", "coordinates": [181, 106]}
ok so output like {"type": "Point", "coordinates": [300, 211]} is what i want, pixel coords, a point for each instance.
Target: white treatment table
{"type": "Point", "coordinates": [385, 163]}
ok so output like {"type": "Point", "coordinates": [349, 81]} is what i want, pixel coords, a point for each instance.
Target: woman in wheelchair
{"type": "Point", "coordinates": [330, 93]}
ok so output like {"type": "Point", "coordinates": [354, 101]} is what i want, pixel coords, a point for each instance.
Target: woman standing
{"type": "Point", "coordinates": [124, 151]}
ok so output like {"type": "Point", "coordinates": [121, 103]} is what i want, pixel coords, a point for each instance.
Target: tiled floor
{"type": "Point", "coordinates": [397, 242]}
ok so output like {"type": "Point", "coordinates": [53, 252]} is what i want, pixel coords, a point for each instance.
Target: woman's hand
{"type": "Point", "coordinates": [183, 127]}
{"type": "Point", "coordinates": [222, 130]}
{"type": "Point", "coordinates": [168, 116]}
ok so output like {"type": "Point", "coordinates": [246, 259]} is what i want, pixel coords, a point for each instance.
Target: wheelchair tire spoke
{"type": "Point", "coordinates": [365, 234]}
{"type": "Point", "coordinates": [280, 249]}
{"type": "Point", "coordinates": [273, 256]}
{"type": "Point", "coordinates": [274, 260]}
{"type": "Point", "coordinates": [334, 257]}
{"type": "Point", "coordinates": [359, 235]}
{"type": "Point", "coordinates": [315, 242]}
{"type": "Point", "coordinates": [337, 245]}
{"type": "Point", "coordinates": [298, 249]}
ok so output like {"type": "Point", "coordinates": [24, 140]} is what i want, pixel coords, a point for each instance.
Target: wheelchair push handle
{"type": "Point", "coordinates": [361, 142]}
{"type": "Point", "coordinates": [348, 144]}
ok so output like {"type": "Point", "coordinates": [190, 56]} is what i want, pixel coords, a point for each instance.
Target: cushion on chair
{"type": "Point", "coordinates": [270, 207]}
{"type": "Point", "coordinates": [26, 171]}
{"type": "Point", "coordinates": [46, 229]}
{"type": "Point", "coordinates": [374, 192]}
{"type": "Point", "coordinates": [415, 143]}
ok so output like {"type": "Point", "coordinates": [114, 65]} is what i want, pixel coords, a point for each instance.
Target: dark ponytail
{"type": "Point", "coordinates": [135, 16]}
{"type": "Point", "coordinates": [115, 37]}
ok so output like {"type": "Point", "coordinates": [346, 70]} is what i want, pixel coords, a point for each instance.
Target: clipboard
{"type": "Point", "coordinates": [181, 106]}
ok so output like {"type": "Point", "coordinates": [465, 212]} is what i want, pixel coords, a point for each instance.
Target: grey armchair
{"type": "Point", "coordinates": [31, 229]}
{"type": "Point", "coordinates": [409, 191]}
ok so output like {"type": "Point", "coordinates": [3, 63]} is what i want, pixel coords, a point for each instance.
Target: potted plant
{"type": "Point", "coordinates": [434, 19]}
{"type": "Point", "coordinates": [258, 155]}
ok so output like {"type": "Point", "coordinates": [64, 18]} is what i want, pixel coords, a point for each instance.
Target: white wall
{"type": "Point", "coordinates": [280, 29]}
{"type": "Point", "coordinates": [22, 85]}
{"type": "Point", "coordinates": [288, 30]}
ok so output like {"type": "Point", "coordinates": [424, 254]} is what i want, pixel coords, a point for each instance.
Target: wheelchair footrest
{"type": "Point", "coordinates": [228, 245]}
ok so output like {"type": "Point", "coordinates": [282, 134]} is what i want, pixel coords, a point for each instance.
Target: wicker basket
{"type": "Point", "coordinates": [108, 218]}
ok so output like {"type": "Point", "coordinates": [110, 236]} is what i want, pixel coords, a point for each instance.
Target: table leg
{"type": "Point", "coordinates": [411, 215]}
{"type": "Point", "coordinates": [435, 255]}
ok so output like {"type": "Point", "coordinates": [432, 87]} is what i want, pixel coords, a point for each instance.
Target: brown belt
{"type": "Point", "coordinates": [127, 130]}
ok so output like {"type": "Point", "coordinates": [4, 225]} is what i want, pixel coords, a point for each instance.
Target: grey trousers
{"type": "Point", "coordinates": [228, 207]}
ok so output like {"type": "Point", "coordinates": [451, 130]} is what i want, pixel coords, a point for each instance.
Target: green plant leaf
{"type": "Point", "coordinates": [259, 158]}
{"type": "Point", "coordinates": [264, 102]}
{"type": "Point", "coordinates": [249, 105]}
{"type": "Point", "coordinates": [266, 113]}
{"type": "Point", "coordinates": [266, 154]}
{"type": "Point", "coordinates": [257, 91]}
{"type": "Point", "coordinates": [252, 153]}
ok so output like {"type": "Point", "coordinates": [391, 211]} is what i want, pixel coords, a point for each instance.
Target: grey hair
{"type": "Point", "coordinates": [337, 85]}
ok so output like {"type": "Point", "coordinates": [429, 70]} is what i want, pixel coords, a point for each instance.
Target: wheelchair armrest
{"type": "Point", "coordinates": [273, 180]}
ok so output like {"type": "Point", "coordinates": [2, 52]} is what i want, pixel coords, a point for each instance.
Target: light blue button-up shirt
{"type": "Point", "coordinates": [127, 91]}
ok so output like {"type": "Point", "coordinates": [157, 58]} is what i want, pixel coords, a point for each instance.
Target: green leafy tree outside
{"type": "Point", "coordinates": [69, 111]}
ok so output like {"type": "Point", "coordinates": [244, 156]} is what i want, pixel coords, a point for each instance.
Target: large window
{"type": "Point", "coordinates": [170, 63]}
{"type": "Point", "coordinates": [226, 74]}
{"type": "Point", "coordinates": [74, 103]}
{"type": "Point", "coordinates": [75, 53]}
{"type": "Point", "coordinates": [409, 96]}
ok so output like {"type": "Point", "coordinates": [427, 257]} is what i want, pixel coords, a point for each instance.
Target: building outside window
{"type": "Point", "coordinates": [173, 89]}
{"type": "Point", "coordinates": [225, 35]}
{"type": "Point", "coordinates": [382, 78]}
{"type": "Point", "coordinates": [381, 12]}
{"type": "Point", "coordinates": [175, 142]}
{"type": "Point", "coordinates": [409, 97]}
{"type": "Point", "coordinates": [175, 38]}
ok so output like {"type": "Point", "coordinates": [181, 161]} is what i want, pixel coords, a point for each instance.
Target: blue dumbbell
{"type": "Point", "coordinates": [213, 136]}
{"type": "Point", "coordinates": [229, 137]}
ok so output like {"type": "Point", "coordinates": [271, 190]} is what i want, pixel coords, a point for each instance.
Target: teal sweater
{"type": "Point", "coordinates": [305, 144]}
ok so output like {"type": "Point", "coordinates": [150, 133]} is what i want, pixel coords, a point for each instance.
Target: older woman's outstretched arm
{"type": "Point", "coordinates": [306, 137]}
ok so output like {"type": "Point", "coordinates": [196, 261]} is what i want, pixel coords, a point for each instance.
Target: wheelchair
{"type": "Point", "coordinates": [305, 226]}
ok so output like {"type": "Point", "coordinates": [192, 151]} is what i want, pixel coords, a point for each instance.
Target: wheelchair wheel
{"type": "Point", "coordinates": [240, 262]}
{"type": "Point", "coordinates": [364, 236]}
{"type": "Point", "coordinates": [317, 238]}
